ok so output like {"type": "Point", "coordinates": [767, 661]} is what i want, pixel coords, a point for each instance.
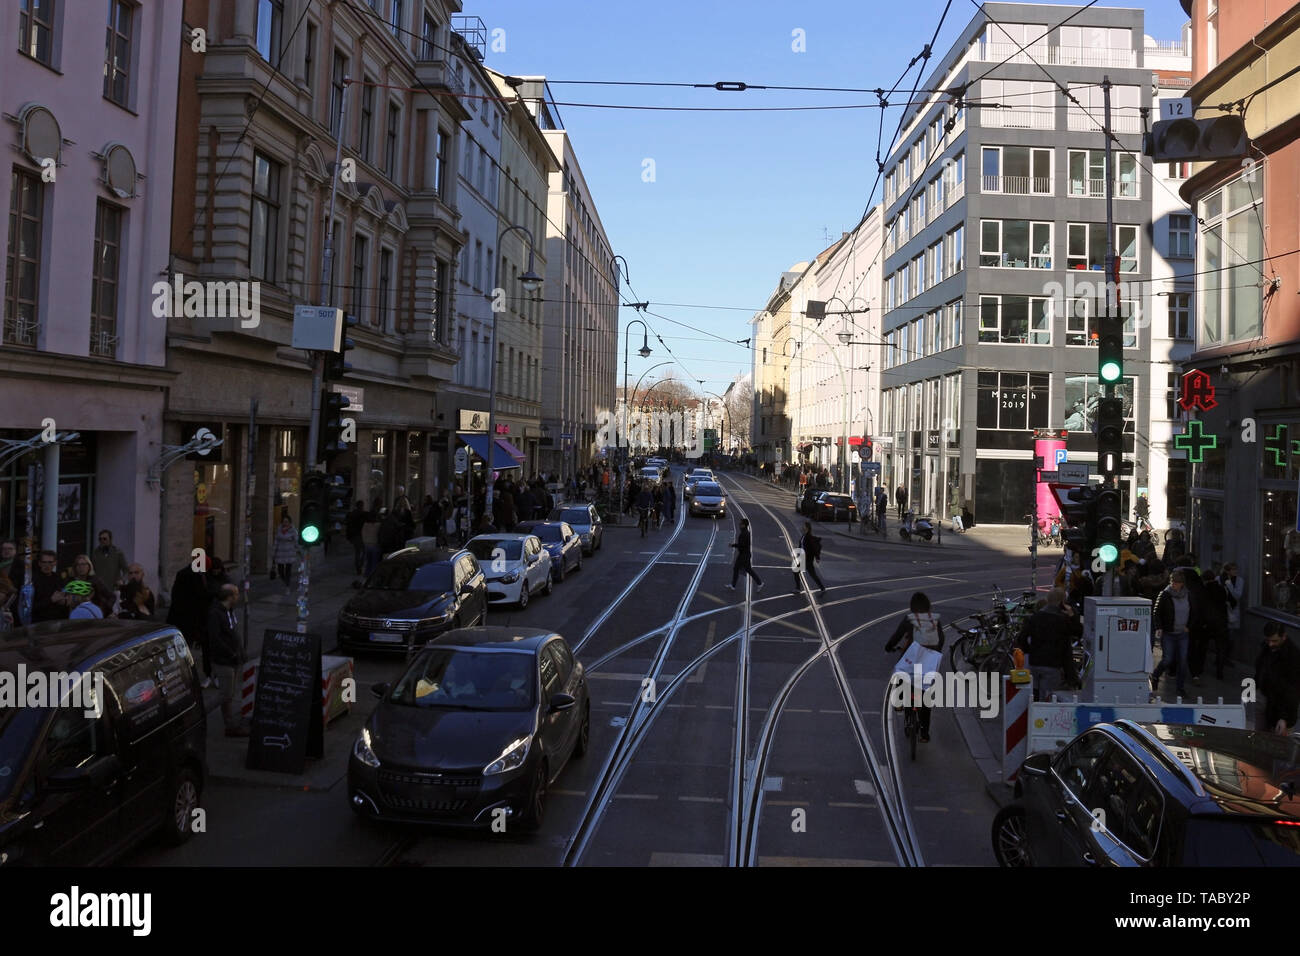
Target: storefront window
{"type": "Point", "coordinates": [1082, 396]}
{"type": "Point", "coordinates": [378, 481]}
{"type": "Point", "coordinates": [1207, 531]}
{"type": "Point", "coordinates": [415, 442]}
{"type": "Point", "coordinates": [1279, 552]}
{"type": "Point", "coordinates": [288, 475]}
{"type": "Point", "coordinates": [954, 485]}
{"type": "Point", "coordinates": [1208, 474]}
{"type": "Point", "coordinates": [213, 504]}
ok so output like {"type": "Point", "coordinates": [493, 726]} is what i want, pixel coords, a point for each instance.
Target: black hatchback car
{"type": "Point", "coordinates": [114, 752]}
{"type": "Point", "coordinates": [1129, 794]}
{"type": "Point", "coordinates": [413, 595]}
{"type": "Point", "coordinates": [474, 731]}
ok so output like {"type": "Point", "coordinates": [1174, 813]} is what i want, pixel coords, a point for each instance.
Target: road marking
{"type": "Point", "coordinates": [862, 806]}
{"type": "Point", "coordinates": [932, 809]}
{"type": "Point", "coordinates": [686, 859]}
{"type": "Point", "coordinates": [717, 707]}
{"type": "Point", "coordinates": [701, 799]}
{"type": "Point", "coordinates": [830, 711]}
{"type": "Point", "coordinates": [569, 793]}
{"type": "Point", "coordinates": [786, 803]}
{"type": "Point", "coordinates": [819, 861]}
{"type": "Point", "coordinates": [798, 710]}
{"type": "Point", "coordinates": [698, 678]}
{"type": "Point", "coordinates": [864, 788]}
{"type": "Point", "coordinates": [773, 784]}
{"type": "Point", "coordinates": [636, 796]}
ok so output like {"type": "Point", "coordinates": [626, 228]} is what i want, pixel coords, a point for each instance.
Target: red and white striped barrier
{"type": "Point", "coordinates": [1015, 726]}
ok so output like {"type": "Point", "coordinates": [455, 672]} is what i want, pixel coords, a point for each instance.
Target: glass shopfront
{"type": "Point", "coordinates": [287, 481]}
{"type": "Point", "coordinates": [1279, 537]}
{"type": "Point", "coordinates": [76, 491]}
{"type": "Point", "coordinates": [214, 522]}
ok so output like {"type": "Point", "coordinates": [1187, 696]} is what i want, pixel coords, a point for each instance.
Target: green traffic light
{"type": "Point", "coordinates": [1110, 371]}
{"type": "Point", "coordinates": [1109, 553]}
{"type": "Point", "coordinates": [310, 534]}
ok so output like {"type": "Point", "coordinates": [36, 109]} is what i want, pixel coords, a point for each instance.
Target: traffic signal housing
{"type": "Point", "coordinates": [313, 514]}
{"type": "Point", "coordinates": [336, 363]}
{"type": "Point", "coordinates": [329, 432]}
{"type": "Point", "coordinates": [1107, 541]}
{"type": "Point", "coordinates": [1110, 350]}
{"type": "Point", "coordinates": [338, 497]}
{"type": "Point", "coordinates": [1205, 140]}
{"type": "Point", "coordinates": [1110, 436]}
{"type": "Point", "coordinates": [1079, 514]}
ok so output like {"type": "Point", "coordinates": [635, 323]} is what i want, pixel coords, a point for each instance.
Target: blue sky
{"type": "Point", "coordinates": [737, 198]}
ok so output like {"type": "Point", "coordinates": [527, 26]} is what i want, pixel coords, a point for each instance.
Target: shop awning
{"type": "Point", "coordinates": [502, 455]}
{"type": "Point", "coordinates": [511, 450]}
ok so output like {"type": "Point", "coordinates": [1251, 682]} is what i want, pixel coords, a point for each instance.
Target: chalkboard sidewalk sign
{"type": "Point", "coordinates": [287, 726]}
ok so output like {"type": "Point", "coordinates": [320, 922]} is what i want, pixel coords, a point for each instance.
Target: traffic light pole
{"type": "Point", "coordinates": [1109, 390]}
{"type": "Point", "coordinates": [318, 358]}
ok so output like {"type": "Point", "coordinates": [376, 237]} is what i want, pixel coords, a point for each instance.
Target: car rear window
{"type": "Point", "coordinates": [577, 516]}
{"type": "Point", "coordinates": [409, 576]}
{"type": "Point", "coordinates": [486, 550]}
{"type": "Point", "coordinates": [708, 488]}
{"type": "Point", "coordinates": [548, 532]}
{"type": "Point", "coordinates": [1241, 841]}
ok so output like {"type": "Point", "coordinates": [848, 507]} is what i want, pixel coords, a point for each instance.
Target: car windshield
{"type": "Point", "coordinates": [461, 679]}
{"type": "Point", "coordinates": [576, 516]}
{"type": "Point", "coordinates": [550, 533]}
{"type": "Point", "coordinates": [708, 488]}
{"type": "Point", "coordinates": [18, 729]}
{"type": "Point", "coordinates": [407, 575]}
{"type": "Point", "coordinates": [486, 549]}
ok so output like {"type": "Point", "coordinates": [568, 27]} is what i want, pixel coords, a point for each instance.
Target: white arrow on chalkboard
{"type": "Point", "coordinates": [282, 741]}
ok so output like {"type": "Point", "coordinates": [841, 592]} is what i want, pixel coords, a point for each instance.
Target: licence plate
{"type": "Point", "coordinates": [386, 637]}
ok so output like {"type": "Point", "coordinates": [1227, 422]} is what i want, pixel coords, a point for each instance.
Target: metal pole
{"type": "Point", "coordinates": [250, 485]}
{"type": "Point", "coordinates": [1033, 535]}
{"type": "Point", "coordinates": [26, 599]}
{"type": "Point", "coordinates": [318, 359]}
{"type": "Point", "coordinates": [627, 334]}
{"type": "Point", "coordinates": [1107, 583]}
{"type": "Point", "coordinates": [50, 503]}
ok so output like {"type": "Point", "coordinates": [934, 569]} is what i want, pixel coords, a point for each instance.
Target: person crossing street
{"type": "Point", "coordinates": [812, 550]}
{"type": "Point", "coordinates": [744, 562]}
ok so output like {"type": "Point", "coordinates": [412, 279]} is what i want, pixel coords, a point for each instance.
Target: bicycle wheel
{"type": "Point", "coordinates": [959, 653]}
{"type": "Point", "coordinates": [999, 661]}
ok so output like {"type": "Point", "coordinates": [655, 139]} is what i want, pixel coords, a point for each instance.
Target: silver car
{"type": "Point", "coordinates": [708, 500]}
{"type": "Point", "coordinates": [585, 520]}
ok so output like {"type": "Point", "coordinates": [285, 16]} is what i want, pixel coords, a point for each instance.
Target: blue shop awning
{"type": "Point", "coordinates": [503, 454]}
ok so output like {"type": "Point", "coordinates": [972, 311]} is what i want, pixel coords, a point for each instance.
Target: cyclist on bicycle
{"type": "Point", "coordinates": [658, 513]}
{"type": "Point", "coordinates": [921, 625]}
{"type": "Point", "coordinates": [645, 502]}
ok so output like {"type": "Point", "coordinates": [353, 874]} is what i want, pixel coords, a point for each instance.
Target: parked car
{"type": "Point", "coordinates": [1130, 794]}
{"type": "Point", "coordinates": [478, 727]}
{"type": "Point", "coordinates": [650, 476]}
{"type": "Point", "coordinates": [516, 565]}
{"type": "Point", "coordinates": [708, 499]}
{"type": "Point", "coordinates": [693, 479]}
{"type": "Point", "coordinates": [413, 595]}
{"type": "Point", "coordinates": [830, 506]}
{"type": "Point", "coordinates": [83, 780]}
{"type": "Point", "coordinates": [584, 519]}
{"type": "Point", "coordinates": [563, 543]}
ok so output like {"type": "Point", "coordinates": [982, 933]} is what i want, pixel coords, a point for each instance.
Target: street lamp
{"type": "Point", "coordinates": [531, 282]}
{"type": "Point", "coordinates": [726, 415]}
{"type": "Point", "coordinates": [795, 354]}
{"type": "Point", "coordinates": [644, 352]}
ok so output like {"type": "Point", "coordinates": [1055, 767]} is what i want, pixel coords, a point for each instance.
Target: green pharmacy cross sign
{"type": "Point", "coordinates": [1194, 442]}
{"type": "Point", "coordinates": [1278, 445]}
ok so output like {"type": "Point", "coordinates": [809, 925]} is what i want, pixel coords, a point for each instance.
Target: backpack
{"type": "Point", "coordinates": [925, 630]}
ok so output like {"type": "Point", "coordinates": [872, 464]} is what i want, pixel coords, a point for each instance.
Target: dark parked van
{"type": "Point", "coordinates": [85, 778]}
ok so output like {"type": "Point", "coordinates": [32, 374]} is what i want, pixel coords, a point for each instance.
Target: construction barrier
{"type": "Point", "coordinates": [1016, 699]}
{"type": "Point", "coordinates": [334, 672]}
{"type": "Point", "coordinates": [1054, 724]}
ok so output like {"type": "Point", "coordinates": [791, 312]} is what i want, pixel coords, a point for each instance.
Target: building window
{"type": "Point", "coordinates": [1017, 170]}
{"type": "Point", "coordinates": [440, 163]}
{"type": "Point", "coordinates": [395, 18]}
{"type": "Point", "coordinates": [1086, 247]}
{"type": "Point", "coordinates": [23, 262]}
{"type": "Point", "coordinates": [367, 119]}
{"type": "Point", "coordinates": [390, 140]}
{"type": "Point", "coordinates": [1013, 400]}
{"type": "Point", "coordinates": [360, 256]}
{"type": "Point", "coordinates": [952, 314]}
{"type": "Point", "coordinates": [429, 38]}
{"type": "Point", "coordinates": [384, 304]}
{"type": "Point", "coordinates": [1231, 243]}
{"type": "Point", "coordinates": [1082, 395]}
{"type": "Point", "coordinates": [340, 70]}
{"type": "Point", "coordinates": [1181, 231]}
{"type": "Point", "coordinates": [1180, 315]}
{"type": "Point", "coordinates": [1015, 320]}
{"type": "Point", "coordinates": [442, 300]}
{"type": "Point", "coordinates": [1172, 387]}
{"type": "Point", "coordinates": [954, 251]}
{"type": "Point", "coordinates": [103, 286]}
{"type": "Point", "coordinates": [36, 29]}
{"type": "Point", "coordinates": [1021, 104]}
{"type": "Point", "coordinates": [1179, 170]}
{"type": "Point", "coordinates": [1015, 244]}
{"type": "Point", "coordinates": [309, 57]}
{"type": "Point", "coordinates": [270, 24]}
{"type": "Point", "coordinates": [1088, 174]}
{"type": "Point", "coordinates": [117, 51]}
{"type": "Point", "coordinates": [265, 219]}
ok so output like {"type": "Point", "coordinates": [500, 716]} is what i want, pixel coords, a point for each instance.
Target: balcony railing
{"type": "Point", "coordinates": [1096, 188]}
{"type": "Point", "coordinates": [956, 192]}
{"type": "Point", "coordinates": [103, 341]}
{"type": "Point", "coordinates": [1018, 185]}
{"type": "Point", "coordinates": [1018, 117]}
{"type": "Point", "coordinates": [431, 70]}
{"type": "Point", "coordinates": [1090, 121]}
{"type": "Point", "coordinates": [998, 51]}
{"type": "Point", "coordinates": [22, 331]}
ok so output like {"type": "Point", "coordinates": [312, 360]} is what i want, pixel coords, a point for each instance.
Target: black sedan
{"type": "Point", "coordinates": [833, 507]}
{"type": "Point", "coordinates": [413, 595]}
{"type": "Point", "coordinates": [560, 540]}
{"type": "Point", "coordinates": [474, 732]}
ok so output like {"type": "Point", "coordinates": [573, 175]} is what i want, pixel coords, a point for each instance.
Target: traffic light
{"type": "Point", "coordinates": [338, 498]}
{"type": "Point", "coordinates": [1110, 436]}
{"type": "Point", "coordinates": [1221, 137]}
{"type": "Point", "coordinates": [330, 431]}
{"type": "Point", "coordinates": [314, 510]}
{"type": "Point", "coordinates": [1079, 515]}
{"type": "Point", "coordinates": [336, 363]}
{"type": "Point", "coordinates": [1110, 349]}
{"type": "Point", "coordinates": [1107, 541]}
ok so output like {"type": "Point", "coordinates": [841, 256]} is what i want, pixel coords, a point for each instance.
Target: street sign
{"type": "Point", "coordinates": [462, 460]}
{"type": "Point", "coordinates": [317, 328]}
{"type": "Point", "coordinates": [566, 436]}
{"type": "Point", "coordinates": [1073, 473]}
{"type": "Point", "coordinates": [1045, 476]}
{"type": "Point", "coordinates": [871, 468]}
{"type": "Point", "coordinates": [1061, 455]}
{"type": "Point", "coordinates": [1180, 108]}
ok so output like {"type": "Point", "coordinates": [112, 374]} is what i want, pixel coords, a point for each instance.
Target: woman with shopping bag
{"type": "Point", "coordinates": [921, 635]}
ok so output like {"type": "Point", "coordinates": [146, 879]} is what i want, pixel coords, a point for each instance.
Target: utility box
{"type": "Point", "coordinates": [1117, 631]}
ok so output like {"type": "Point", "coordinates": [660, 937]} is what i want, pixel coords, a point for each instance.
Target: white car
{"type": "Point", "coordinates": [516, 566]}
{"type": "Point", "coordinates": [694, 478]}
{"type": "Point", "coordinates": [650, 474]}
{"type": "Point", "coordinates": [708, 499]}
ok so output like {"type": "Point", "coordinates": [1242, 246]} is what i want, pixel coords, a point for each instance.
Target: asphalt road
{"type": "Point", "coordinates": [728, 727]}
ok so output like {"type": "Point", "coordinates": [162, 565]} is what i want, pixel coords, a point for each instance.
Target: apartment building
{"type": "Point", "coordinates": [263, 106]}
{"type": "Point", "coordinates": [88, 94]}
{"type": "Point", "coordinates": [995, 245]}
{"type": "Point", "coordinates": [775, 343]}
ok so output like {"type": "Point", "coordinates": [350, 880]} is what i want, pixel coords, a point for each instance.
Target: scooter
{"type": "Point", "coordinates": [912, 525]}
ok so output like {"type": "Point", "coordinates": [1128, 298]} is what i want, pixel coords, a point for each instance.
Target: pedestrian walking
{"type": "Point", "coordinates": [370, 539]}
{"type": "Point", "coordinates": [285, 550]}
{"type": "Point", "coordinates": [1048, 640]}
{"type": "Point", "coordinates": [227, 655]}
{"type": "Point", "coordinates": [744, 562]}
{"type": "Point", "coordinates": [670, 501]}
{"type": "Point", "coordinates": [900, 496]}
{"type": "Point", "coordinates": [191, 599]}
{"type": "Point", "coordinates": [109, 562]}
{"type": "Point", "coordinates": [1277, 676]}
{"type": "Point", "coordinates": [1214, 619]}
{"type": "Point", "coordinates": [812, 550]}
{"type": "Point", "coordinates": [1234, 586]}
{"type": "Point", "coordinates": [47, 584]}
{"type": "Point", "coordinates": [1170, 617]}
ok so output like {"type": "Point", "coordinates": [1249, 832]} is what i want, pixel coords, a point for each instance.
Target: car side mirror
{"type": "Point", "coordinates": [560, 702]}
{"type": "Point", "coordinates": [380, 690]}
{"type": "Point", "coordinates": [1037, 765]}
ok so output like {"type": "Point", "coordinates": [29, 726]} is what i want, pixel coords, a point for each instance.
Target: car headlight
{"type": "Point", "coordinates": [512, 758]}
{"type": "Point", "coordinates": [510, 578]}
{"type": "Point", "coordinates": [361, 749]}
